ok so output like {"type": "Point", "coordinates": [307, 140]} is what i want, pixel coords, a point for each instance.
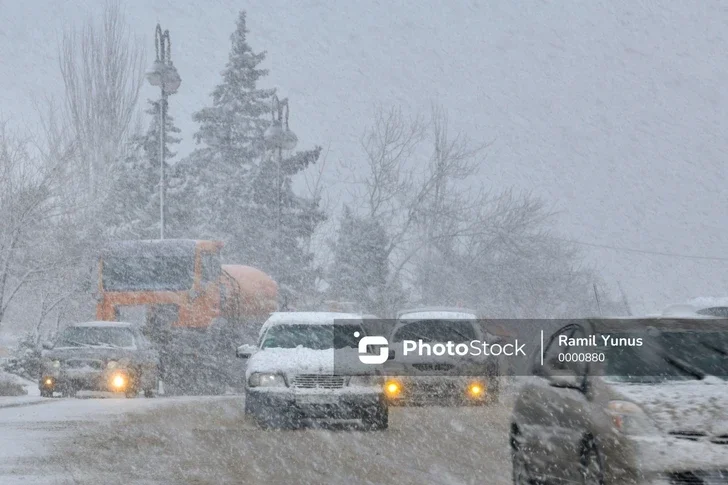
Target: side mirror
{"type": "Point", "coordinates": [47, 345]}
{"type": "Point", "coordinates": [391, 355]}
{"type": "Point", "coordinates": [245, 351]}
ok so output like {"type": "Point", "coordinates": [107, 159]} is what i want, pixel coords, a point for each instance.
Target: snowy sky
{"type": "Point", "coordinates": [612, 110]}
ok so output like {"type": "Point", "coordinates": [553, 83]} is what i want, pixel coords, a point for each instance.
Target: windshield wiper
{"type": "Point", "coordinates": [104, 344]}
{"type": "Point", "coordinates": [79, 344]}
{"type": "Point", "coordinates": [714, 348]}
{"type": "Point", "coordinates": [684, 366]}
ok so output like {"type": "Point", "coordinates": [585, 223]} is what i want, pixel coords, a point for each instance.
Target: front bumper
{"type": "Point", "coordinates": [664, 460]}
{"type": "Point", "coordinates": [347, 404]}
{"type": "Point", "coordinates": [440, 390]}
{"type": "Point", "coordinates": [116, 380]}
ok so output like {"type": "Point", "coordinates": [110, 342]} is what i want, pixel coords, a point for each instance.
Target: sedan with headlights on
{"type": "Point", "coordinates": [99, 356]}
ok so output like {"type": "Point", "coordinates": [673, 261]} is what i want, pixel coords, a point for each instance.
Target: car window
{"type": "Point", "coordinates": [315, 337]}
{"type": "Point", "coordinates": [561, 351]}
{"type": "Point", "coordinates": [436, 331]}
{"type": "Point", "coordinates": [210, 267]}
{"type": "Point", "coordinates": [82, 337]}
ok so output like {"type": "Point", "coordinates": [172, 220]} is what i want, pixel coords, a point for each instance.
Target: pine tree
{"type": "Point", "coordinates": [228, 189]}
{"type": "Point", "coordinates": [277, 240]}
{"type": "Point", "coordinates": [209, 185]}
{"type": "Point", "coordinates": [360, 268]}
{"type": "Point", "coordinates": [133, 203]}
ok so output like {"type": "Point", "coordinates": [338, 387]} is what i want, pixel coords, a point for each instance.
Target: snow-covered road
{"type": "Point", "coordinates": [205, 440]}
{"type": "Point", "coordinates": [32, 429]}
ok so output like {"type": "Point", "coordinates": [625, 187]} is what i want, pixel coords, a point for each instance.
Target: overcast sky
{"type": "Point", "coordinates": [614, 111]}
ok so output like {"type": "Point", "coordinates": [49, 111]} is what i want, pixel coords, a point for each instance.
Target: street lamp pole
{"type": "Point", "coordinates": [165, 75]}
{"type": "Point", "coordinates": [278, 136]}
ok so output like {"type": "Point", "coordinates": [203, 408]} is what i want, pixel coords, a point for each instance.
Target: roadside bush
{"type": "Point", "coordinates": [8, 386]}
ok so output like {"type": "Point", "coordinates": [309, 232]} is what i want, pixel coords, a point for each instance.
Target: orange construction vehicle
{"type": "Point", "coordinates": [194, 308]}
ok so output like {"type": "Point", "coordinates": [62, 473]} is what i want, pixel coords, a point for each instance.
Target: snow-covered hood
{"type": "Point", "coordinates": [682, 406]}
{"type": "Point", "coordinates": [299, 361]}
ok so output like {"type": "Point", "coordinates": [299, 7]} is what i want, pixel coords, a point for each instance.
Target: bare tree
{"type": "Point", "coordinates": [449, 238]}
{"type": "Point", "coordinates": [102, 68]}
{"type": "Point", "coordinates": [30, 191]}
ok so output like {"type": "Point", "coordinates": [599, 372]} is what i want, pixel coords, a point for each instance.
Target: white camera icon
{"type": "Point", "coordinates": [367, 358]}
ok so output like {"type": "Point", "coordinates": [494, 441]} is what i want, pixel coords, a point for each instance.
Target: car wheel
{"type": "Point", "coordinates": [377, 418]}
{"type": "Point", "coordinates": [521, 473]}
{"type": "Point", "coordinates": [592, 463]}
{"type": "Point", "coordinates": [46, 393]}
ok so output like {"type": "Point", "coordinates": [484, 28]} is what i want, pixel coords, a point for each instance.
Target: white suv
{"type": "Point", "coordinates": [290, 372]}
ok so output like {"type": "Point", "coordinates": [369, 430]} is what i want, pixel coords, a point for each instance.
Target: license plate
{"type": "Point", "coordinates": [316, 399]}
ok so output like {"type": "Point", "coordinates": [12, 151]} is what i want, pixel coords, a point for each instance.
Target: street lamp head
{"type": "Point", "coordinates": [289, 140]}
{"type": "Point", "coordinates": [155, 75]}
{"type": "Point", "coordinates": [172, 81]}
{"type": "Point", "coordinates": [273, 135]}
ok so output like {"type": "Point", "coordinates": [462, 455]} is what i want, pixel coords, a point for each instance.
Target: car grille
{"type": "Point", "coordinates": [433, 367]}
{"type": "Point", "coordinates": [318, 381]}
{"type": "Point", "coordinates": [83, 364]}
{"type": "Point", "coordinates": [699, 477]}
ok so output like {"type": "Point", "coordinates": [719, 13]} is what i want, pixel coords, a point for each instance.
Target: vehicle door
{"type": "Point", "coordinates": [552, 408]}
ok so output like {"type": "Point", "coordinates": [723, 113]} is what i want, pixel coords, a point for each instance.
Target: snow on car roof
{"type": "Point", "coordinates": [438, 315]}
{"type": "Point", "coordinates": [709, 302]}
{"type": "Point", "coordinates": [311, 318]}
{"type": "Point", "coordinates": [102, 324]}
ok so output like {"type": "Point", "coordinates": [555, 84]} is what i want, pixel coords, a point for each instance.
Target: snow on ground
{"type": "Point", "coordinates": [31, 429]}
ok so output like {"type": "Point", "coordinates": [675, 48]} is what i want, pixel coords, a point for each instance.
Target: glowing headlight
{"type": "Point", "coordinates": [261, 379]}
{"type": "Point", "coordinates": [56, 363]}
{"type": "Point", "coordinates": [392, 388]}
{"type": "Point", "coordinates": [629, 418]}
{"type": "Point", "coordinates": [48, 382]}
{"type": "Point", "coordinates": [112, 364]}
{"type": "Point", "coordinates": [476, 389]}
{"type": "Point", "coordinates": [365, 381]}
{"type": "Point", "coordinates": [119, 381]}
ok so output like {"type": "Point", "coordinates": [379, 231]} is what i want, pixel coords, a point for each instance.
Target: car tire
{"type": "Point", "coordinates": [591, 463]}
{"type": "Point", "coordinates": [377, 418]}
{"type": "Point", "coordinates": [46, 393]}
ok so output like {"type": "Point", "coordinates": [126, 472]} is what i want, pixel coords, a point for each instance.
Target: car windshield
{"type": "Point", "coordinates": [671, 356]}
{"type": "Point", "coordinates": [316, 337]}
{"type": "Point", "coordinates": [95, 337]}
{"type": "Point", "coordinates": [437, 331]}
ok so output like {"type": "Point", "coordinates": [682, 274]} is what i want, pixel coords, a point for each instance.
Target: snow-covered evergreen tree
{"type": "Point", "coordinates": [360, 269]}
{"type": "Point", "coordinates": [210, 185]}
{"type": "Point", "coordinates": [227, 189]}
{"type": "Point", "coordinates": [133, 203]}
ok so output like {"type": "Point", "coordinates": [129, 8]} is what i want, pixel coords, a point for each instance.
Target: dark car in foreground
{"type": "Point", "coordinates": [99, 356]}
{"type": "Point", "coordinates": [653, 411]}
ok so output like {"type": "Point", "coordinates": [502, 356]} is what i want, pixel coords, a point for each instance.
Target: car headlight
{"type": "Point", "coordinates": [112, 364]}
{"type": "Point", "coordinates": [365, 381]}
{"type": "Point", "coordinates": [629, 418]}
{"type": "Point", "coordinates": [392, 388]}
{"type": "Point", "coordinates": [262, 379]}
{"type": "Point", "coordinates": [56, 364]}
